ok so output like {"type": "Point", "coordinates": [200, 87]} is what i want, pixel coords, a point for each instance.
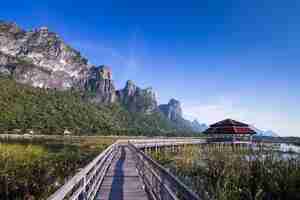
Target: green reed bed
{"type": "Point", "coordinates": [31, 169]}
{"type": "Point", "coordinates": [243, 174]}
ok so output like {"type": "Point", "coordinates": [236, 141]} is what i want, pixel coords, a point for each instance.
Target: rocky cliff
{"type": "Point", "coordinates": [100, 85]}
{"type": "Point", "coordinates": [53, 63]}
{"type": "Point", "coordinates": [40, 58]}
{"type": "Point", "coordinates": [197, 127]}
{"type": "Point", "coordinates": [172, 110]}
{"type": "Point", "coordinates": [137, 99]}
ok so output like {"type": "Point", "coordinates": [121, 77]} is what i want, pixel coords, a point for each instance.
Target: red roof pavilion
{"type": "Point", "coordinates": [229, 126]}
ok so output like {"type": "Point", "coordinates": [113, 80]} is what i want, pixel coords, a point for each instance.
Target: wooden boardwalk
{"type": "Point", "coordinates": [113, 174]}
{"type": "Point", "coordinates": [122, 181]}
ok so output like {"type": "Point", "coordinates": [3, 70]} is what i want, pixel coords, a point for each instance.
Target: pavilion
{"type": "Point", "coordinates": [230, 130]}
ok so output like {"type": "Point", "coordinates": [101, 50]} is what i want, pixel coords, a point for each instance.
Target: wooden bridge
{"type": "Point", "coordinates": [124, 172]}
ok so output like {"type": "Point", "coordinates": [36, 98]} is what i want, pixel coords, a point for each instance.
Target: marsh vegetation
{"type": "Point", "coordinates": [235, 175]}
{"type": "Point", "coordinates": [35, 168]}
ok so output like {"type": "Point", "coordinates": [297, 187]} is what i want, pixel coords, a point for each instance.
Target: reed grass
{"type": "Point", "coordinates": [34, 169]}
{"type": "Point", "coordinates": [227, 174]}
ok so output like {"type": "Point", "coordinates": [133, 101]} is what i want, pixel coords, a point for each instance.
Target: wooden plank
{"type": "Point", "coordinates": [62, 192]}
{"type": "Point", "coordinates": [156, 175]}
{"type": "Point", "coordinates": [121, 181]}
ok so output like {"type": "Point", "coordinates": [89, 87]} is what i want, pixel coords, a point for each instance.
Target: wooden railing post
{"type": "Point", "coordinates": [160, 183]}
{"type": "Point", "coordinates": [77, 187]}
{"type": "Point", "coordinates": [156, 179]}
{"type": "Point", "coordinates": [84, 192]}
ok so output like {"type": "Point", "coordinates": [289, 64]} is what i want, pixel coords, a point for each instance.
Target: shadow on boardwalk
{"type": "Point", "coordinates": [117, 189]}
{"type": "Point", "coordinates": [122, 181]}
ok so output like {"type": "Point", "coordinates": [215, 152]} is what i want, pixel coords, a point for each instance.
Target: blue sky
{"type": "Point", "coordinates": [225, 58]}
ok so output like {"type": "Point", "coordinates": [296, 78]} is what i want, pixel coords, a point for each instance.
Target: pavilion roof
{"type": "Point", "coordinates": [229, 126]}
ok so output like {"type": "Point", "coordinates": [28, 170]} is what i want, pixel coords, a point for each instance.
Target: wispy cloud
{"type": "Point", "coordinates": [132, 63]}
{"type": "Point", "coordinates": [126, 60]}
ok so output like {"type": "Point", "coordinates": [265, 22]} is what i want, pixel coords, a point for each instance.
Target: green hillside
{"type": "Point", "coordinates": [51, 112]}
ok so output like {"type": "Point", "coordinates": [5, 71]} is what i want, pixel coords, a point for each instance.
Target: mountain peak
{"type": "Point", "coordinates": [172, 110]}
{"type": "Point", "coordinates": [130, 84]}
{"type": "Point", "coordinates": [262, 133]}
{"type": "Point", "coordinates": [137, 99]}
{"type": "Point", "coordinates": [198, 127]}
{"type": "Point", "coordinates": [105, 72]}
{"type": "Point", "coordinates": [54, 64]}
{"type": "Point", "coordinates": [43, 29]}
{"type": "Point", "coordinates": [174, 102]}
{"type": "Point", "coordinates": [9, 25]}
{"type": "Point", "coordinates": [40, 58]}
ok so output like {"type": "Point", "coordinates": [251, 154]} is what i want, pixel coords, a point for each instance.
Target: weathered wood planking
{"type": "Point", "coordinates": [122, 181]}
{"type": "Point", "coordinates": [115, 171]}
{"type": "Point", "coordinates": [159, 182]}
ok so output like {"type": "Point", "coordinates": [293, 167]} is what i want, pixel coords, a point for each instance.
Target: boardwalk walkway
{"type": "Point", "coordinates": [122, 182]}
{"type": "Point", "coordinates": [113, 174]}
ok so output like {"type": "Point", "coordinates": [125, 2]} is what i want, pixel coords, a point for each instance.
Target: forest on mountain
{"type": "Point", "coordinates": [46, 111]}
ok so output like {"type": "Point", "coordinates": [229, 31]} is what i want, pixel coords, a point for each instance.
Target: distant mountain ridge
{"type": "Point", "coordinates": [261, 133]}
{"type": "Point", "coordinates": [199, 127]}
{"type": "Point", "coordinates": [40, 58]}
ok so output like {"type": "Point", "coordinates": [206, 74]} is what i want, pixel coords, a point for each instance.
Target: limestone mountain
{"type": "Point", "coordinates": [197, 127]}
{"type": "Point", "coordinates": [50, 62]}
{"type": "Point", "coordinates": [172, 110]}
{"type": "Point", "coordinates": [100, 85]}
{"type": "Point", "coordinates": [45, 111]}
{"type": "Point", "coordinates": [40, 58]}
{"type": "Point", "coordinates": [137, 99]}
{"type": "Point", "coordinates": [101, 89]}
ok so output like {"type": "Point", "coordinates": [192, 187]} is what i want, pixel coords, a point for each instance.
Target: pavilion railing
{"type": "Point", "coordinates": [158, 182]}
{"type": "Point", "coordinates": [84, 185]}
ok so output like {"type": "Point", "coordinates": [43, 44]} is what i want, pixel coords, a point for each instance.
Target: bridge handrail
{"type": "Point", "coordinates": [158, 181]}
{"type": "Point", "coordinates": [164, 142]}
{"type": "Point", "coordinates": [84, 184]}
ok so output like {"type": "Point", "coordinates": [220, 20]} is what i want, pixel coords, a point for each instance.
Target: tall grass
{"type": "Point", "coordinates": [235, 175]}
{"type": "Point", "coordinates": [29, 170]}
